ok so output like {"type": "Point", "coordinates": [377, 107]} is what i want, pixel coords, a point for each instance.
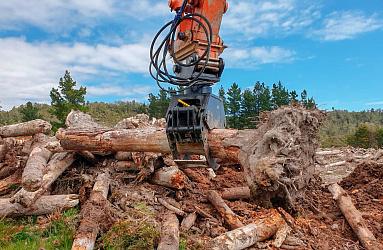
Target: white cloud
{"type": "Point", "coordinates": [252, 57]}
{"type": "Point", "coordinates": [263, 18]}
{"type": "Point", "coordinates": [118, 90]}
{"type": "Point", "coordinates": [29, 70]}
{"type": "Point", "coordinates": [63, 15]}
{"type": "Point", "coordinates": [347, 25]}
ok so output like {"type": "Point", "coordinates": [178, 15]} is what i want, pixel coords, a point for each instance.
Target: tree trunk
{"type": "Point", "coordinates": [56, 166]}
{"type": "Point", "coordinates": [26, 129]}
{"type": "Point", "coordinates": [170, 234]}
{"type": "Point", "coordinates": [247, 236]}
{"type": "Point", "coordinates": [148, 140]}
{"type": "Point", "coordinates": [354, 218]}
{"type": "Point", "coordinates": [170, 177]}
{"type": "Point", "coordinates": [236, 193]}
{"type": "Point", "coordinates": [224, 210]}
{"type": "Point", "coordinates": [36, 165]}
{"type": "Point", "coordinates": [44, 205]}
{"type": "Point", "coordinates": [91, 215]}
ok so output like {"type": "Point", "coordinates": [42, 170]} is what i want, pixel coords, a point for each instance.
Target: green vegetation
{"type": "Point", "coordinates": [137, 232]}
{"type": "Point", "coordinates": [29, 112]}
{"type": "Point", "coordinates": [343, 128]}
{"type": "Point", "coordinates": [244, 107]}
{"type": "Point", "coordinates": [28, 234]}
{"type": "Point", "coordinates": [65, 98]}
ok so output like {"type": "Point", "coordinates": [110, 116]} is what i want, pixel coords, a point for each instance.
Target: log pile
{"type": "Point", "coordinates": [276, 160]}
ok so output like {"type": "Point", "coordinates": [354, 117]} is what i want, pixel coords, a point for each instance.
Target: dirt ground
{"type": "Point", "coordinates": [319, 223]}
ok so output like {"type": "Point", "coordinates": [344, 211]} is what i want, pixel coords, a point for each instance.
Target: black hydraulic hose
{"type": "Point", "coordinates": [158, 69]}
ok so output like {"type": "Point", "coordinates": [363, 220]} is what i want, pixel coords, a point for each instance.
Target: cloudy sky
{"type": "Point", "coordinates": [334, 49]}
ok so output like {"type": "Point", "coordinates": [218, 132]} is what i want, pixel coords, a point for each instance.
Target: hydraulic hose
{"type": "Point", "coordinates": [158, 69]}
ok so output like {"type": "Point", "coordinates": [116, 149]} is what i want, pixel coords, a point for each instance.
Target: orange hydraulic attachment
{"type": "Point", "coordinates": [191, 38]}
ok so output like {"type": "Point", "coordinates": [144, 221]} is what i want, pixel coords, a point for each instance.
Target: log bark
{"type": "Point", "coordinates": [148, 140]}
{"type": "Point", "coordinates": [236, 193]}
{"type": "Point", "coordinates": [56, 166]}
{"type": "Point", "coordinates": [224, 210]}
{"type": "Point", "coordinates": [247, 236]}
{"type": "Point", "coordinates": [92, 218]}
{"type": "Point", "coordinates": [36, 165]}
{"type": "Point", "coordinates": [26, 129]}
{"type": "Point", "coordinates": [44, 205]}
{"type": "Point", "coordinates": [170, 177]}
{"type": "Point", "coordinates": [170, 234]}
{"type": "Point", "coordinates": [354, 218]}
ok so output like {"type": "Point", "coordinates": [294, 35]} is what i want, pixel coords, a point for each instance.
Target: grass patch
{"type": "Point", "coordinates": [137, 232]}
{"type": "Point", "coordinates": [26, 233]}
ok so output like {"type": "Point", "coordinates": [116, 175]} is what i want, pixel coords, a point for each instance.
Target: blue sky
{"type": "Point", "coordinates": [334, 49]}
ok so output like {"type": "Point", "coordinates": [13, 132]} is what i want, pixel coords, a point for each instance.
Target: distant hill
{"type": "Point", "coordinates": [341, 123]}
{"type": "Point", "coordinates": [105, 113]}
{"type": "Point", "coordinates": [338, 126]}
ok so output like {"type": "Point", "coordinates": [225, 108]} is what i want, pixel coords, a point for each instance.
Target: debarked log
{"type": "Point", "coordinates": [26, 129]}
{"type": "Point", "coordinates": [247, 236]}
{"type": "Point", "coordinates": [170, 177]}
{"type": "Point", "coordinates": [236, 193]}
{"type": "Point", "coordinates": [35, 168]}
{"type": "Point", "coordinates": [91, 214]}
{"type": "Point", "coordinates": [224, 210]}
{"type": "Point", "coordinates": [56, 166]}
{"type": "Point", "coordinates": [44, 205]}
{"type": "Point", "coordinates": [150, 139]}
{"type": "Point", "coordinates": [354, 218]}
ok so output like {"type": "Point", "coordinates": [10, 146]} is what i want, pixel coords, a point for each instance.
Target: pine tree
{"type": "Point", "coordinates": [29, 112]}
{"type": "Point", "coordinates": [280, 96]}
{"type": "Point", "coordinates": [65, 98]}
{"type": "Point", "coordinates": [311, 103]}
{"type": "Point", "coordinates": [248, 109]}
{"type": "Point", "coordinates": [234, 99]}
{"type": "Point", "coordinates": [222, 95]}
{"type": "Point", "coordinates": [265, 103]}
{"type": "Point", "coordinates": [158, 105]}
{"type": "Point", "coordinates": [293, 97]}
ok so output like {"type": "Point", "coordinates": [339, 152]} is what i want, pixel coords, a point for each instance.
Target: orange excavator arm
{"type": "Point", "coordinates": [191, 37]}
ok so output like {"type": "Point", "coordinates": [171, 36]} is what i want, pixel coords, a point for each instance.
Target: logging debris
{"type": "Point", "coordinates": [152, 203]}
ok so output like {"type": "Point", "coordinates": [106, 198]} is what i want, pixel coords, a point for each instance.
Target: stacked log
{"type": "Point", "coordinates": [266, 154]}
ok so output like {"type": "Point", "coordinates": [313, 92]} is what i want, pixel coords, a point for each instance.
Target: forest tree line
{"type": "Point", "coordinates": [341, 128]}
{"type": "Point", "coordinates": [242, 107]}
